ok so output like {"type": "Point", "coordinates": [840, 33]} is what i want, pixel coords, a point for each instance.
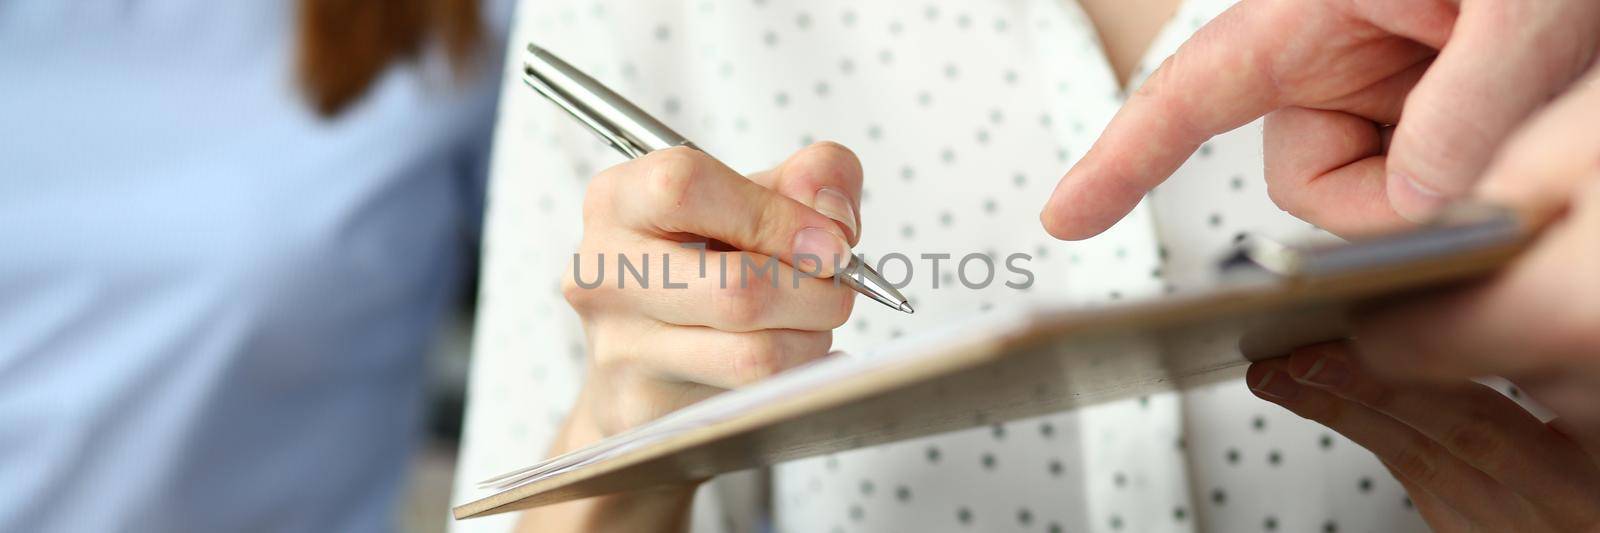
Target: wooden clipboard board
{"type": "Point", "coordinates": [1050, 360]}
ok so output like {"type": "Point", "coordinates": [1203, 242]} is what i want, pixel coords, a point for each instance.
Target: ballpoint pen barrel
{"type": "Point", "coordinates": [635, 133]}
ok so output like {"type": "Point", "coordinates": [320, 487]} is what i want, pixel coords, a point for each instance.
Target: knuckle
{"type": "Point", "coordinates": [760, 357]}
{"type": "Point", "coordinates": [844, 301]}
{"type": "Point", "coordinates": [774, 223]}
{"type": "Point", "coordinates": [838, 158]}
{"type": "Point", "coordinates": [587, 268]}
{"type": "Point", "coordinates": [578, 297]}
{"type": "Point", "coordinates": [817, 344]}
{"type": "Point", "coordinates": [741, 304]}
{"type": "Point", "coordinates": [1417, 460]}
{"type": "Point", "coordinates": [670, 178]}
{"type": "Point", "coordinates": [1478, 442]}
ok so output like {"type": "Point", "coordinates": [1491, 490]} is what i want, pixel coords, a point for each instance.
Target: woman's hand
{"type": "Point", "coordinates": [710, 319]}
{"type": "Point", "coordinates": [737, 291]}
{"type": "Point", "coordinates": [1470, 458]}
{"type": "Point", "coordinates": [1454, 78]}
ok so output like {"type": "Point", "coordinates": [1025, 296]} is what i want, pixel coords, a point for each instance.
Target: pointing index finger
{"type": "Point", "coordinates": [1217, 81]}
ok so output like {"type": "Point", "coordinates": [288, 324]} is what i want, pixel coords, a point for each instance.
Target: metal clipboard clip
{"type": "Point", "coordinates": [1464, 230]}
{"type": "Point", "coordinates": [1465, 243]}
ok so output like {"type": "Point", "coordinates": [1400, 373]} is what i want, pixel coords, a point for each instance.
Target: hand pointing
{"type": "Point", "coordinates": [1378, 111]}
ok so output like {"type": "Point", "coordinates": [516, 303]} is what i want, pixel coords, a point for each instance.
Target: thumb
{"type": "Point", "coordinates": [1550, 160]}
{"type": "Point", "coordinates": [1500, 64]}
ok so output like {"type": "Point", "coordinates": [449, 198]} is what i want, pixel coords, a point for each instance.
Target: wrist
{"type": "Point", "coordinates": [579, 429]}
{"type": "Point", "coordinates": [656, 509]}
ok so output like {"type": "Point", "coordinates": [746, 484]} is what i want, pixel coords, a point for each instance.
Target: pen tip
{"type": "Point", "coordinates": [905, 307]}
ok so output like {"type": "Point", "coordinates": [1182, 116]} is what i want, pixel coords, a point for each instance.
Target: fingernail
{"type": "Point", "coordinates": [1327, 372]}
{"type": "Point", "coordinates": [817, 244]}
{"type": "Point", "coordinates": [1420, 188]}
{"type": "Point", "coordinates": [1418, 201]}
{"type": "Point", "coordinates": [833, 203]}
{"type": "Point", "coordinates": [1276, 385]}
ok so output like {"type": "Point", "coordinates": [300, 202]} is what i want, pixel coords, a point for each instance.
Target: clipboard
{"type": "Point", "coordinates": [1270, 299]}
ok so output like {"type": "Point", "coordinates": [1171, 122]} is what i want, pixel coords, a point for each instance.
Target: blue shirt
{"type": "Point", "coordinates": [213, 304]}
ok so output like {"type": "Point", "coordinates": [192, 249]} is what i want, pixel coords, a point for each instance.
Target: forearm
{"type": "Point", "coordinates": [663, 509]}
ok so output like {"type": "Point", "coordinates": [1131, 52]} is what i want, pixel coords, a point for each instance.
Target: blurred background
{"type": "Point", "coordinates": [238, 251]}
{"type": "Point", "coordinates": [427, 499]}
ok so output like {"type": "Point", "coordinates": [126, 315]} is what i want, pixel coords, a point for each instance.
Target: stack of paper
{"type": "Point", "coordinates": [797, 381]}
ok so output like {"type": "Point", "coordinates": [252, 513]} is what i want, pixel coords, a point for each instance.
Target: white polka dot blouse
{"type": "Point", "coordinates": [964, 114]}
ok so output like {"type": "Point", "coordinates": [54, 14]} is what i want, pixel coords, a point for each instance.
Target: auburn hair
{"type": "Point", "coordinates": [343, 46]}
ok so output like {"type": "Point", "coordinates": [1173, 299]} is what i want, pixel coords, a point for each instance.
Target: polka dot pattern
{"type": "Point", "coordinates": [964, 115]}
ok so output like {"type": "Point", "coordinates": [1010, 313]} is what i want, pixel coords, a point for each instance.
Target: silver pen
{"type": "Point", "coordinates": [635, 133]}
